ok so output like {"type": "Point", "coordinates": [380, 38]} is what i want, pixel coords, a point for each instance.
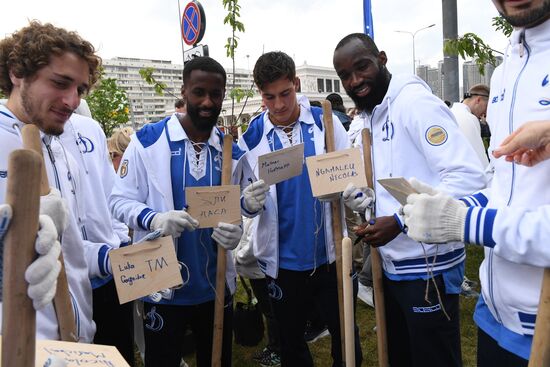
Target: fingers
{"type": "Point", "coordinates": [227, 235]}
{"type": "Point", "coordinates": [41, 267]}
{"type": "Point", "coordinates": [46, 235]}
{"type": "Point", "coordinates": [421, 187]}
{"type": "Point", "coordinates": [43, 291]}
{"type": "Point", "coordinates": [350, 189]}
{"type": "Point", "coordinates": [54, 206]}
{"type": "Point", "coordinates": [5, 217]}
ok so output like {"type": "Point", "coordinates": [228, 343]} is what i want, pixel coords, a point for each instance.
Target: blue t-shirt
{"type": "Point", "coordinates": [302, 244]}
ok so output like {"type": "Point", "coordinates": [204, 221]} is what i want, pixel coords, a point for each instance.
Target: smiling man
{"type": "Point", "coordinates": [45, 70]}
{"type": "Point", "coordinates": [162, 159]}
{"type": "Point", "coordinates": [293, 239]}
{"type": "Point", "coordinates": [413, 134]}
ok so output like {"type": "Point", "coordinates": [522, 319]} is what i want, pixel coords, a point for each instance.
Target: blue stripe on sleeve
{"type": "Point", "coordinates": [488, 223]}
{"type": "Point", "coordinates": [145, 217]}
{"type": "Point", "coordinates": [102, 259]}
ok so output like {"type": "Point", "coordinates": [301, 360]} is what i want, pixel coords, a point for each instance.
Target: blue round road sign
{"type": "Point", "coordinates": [193, 23]}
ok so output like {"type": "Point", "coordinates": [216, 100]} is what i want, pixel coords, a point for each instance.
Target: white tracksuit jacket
{"type": "Point", "coordinates": [266, 225]}
{"type": "Point", "coordinates": [144, 186]}
{"type": "Point", "coordinates": [415, 135]}
{"type": "Point", "coordinates": [517, 243]}
{"type": "Point", "coordinates": [86, 141]}
{"type": "Point", "coordinates": [59, 169]}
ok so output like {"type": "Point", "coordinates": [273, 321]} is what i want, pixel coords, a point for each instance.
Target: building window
{"type": "Point", "coordinates": [337, 86]}
{"type": "Point", "coordinates": [320, 85]}
{"type": "Point", "coordinates": [329, 85]}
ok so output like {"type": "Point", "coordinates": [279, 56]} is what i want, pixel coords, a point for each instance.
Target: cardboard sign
{"type": "Point", "coordinates": [398, 187]}
{"type": "Point", "coordinates": [78, 354]}
{"type": "Point", "coordinates": [145, 268]}
{"type": "Point", "coordinates": [213, 204]}
{"type": "Point", "coordinates": [281, 165]}
{"type": "Point", "coordinates": [332, 172]}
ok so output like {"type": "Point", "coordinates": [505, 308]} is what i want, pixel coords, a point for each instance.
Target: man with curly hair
{"type": "Point", "coordinates": [44, 71]}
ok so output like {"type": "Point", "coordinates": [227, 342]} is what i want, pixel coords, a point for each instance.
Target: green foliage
{"type": "Point", "coordinates": [239, 93]}
{"type": "Point", "coordinates": [474, 47]}
{"type": "Point", "coordinates": [502, 25]}
{"type": "Point", "coordinates": [147, 75]}
{"type": "Point", "coordinates": [232, 18]}
{"type": "Point", "coordinates": [109, 105]}
{"type": "Point", "coordinates": [2, 95]}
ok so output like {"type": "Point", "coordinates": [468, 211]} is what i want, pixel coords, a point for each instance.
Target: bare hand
{"type": "Point", "coordinates": [528, 145]}
{"type": "Point", "coordinates": [379, 233]}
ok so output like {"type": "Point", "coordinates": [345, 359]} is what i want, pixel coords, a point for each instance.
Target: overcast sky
{"type": "Point", "coordinates": [306, 30]}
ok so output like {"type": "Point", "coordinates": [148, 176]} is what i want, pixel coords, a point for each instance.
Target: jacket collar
{"type": "Point", "coordinates": [177, 133]}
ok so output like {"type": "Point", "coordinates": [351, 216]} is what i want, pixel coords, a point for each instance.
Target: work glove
{"type": "Point", "coordinates": [254, 196]}
{"type": "Point", "coordinates": [55, 361]}
{"type": "Point", "coordinates": [422, 188]}
{"type": "Point", "coordinates": [358, 200]}
{"type": "Point", "coordinates": [227, 235]}
{"type": "Point", "coordinates": [54, 206]}
{"type": "Point", "coordinates": [435, 218]}
{"type": "Point", "coordinates": [173, 222]}
{"type": "Point", "coordinates": [42, 273]}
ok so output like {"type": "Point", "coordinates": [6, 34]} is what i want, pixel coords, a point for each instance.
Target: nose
{"type": "Point", "coordinates": [279, 104]}
{"type": "Point", "coordinates": [355, 80]}
{"type": "Point", "coordinates": [207, 101]}
{"type": "Point", "coordinates": [71, 99]}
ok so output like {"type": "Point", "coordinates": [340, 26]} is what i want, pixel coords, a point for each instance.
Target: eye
{"type": "Point", "coordinates": [60, 84]}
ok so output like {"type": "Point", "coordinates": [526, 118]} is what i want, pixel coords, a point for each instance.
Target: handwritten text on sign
{"type": "Point", "coordinates": [280, 165]}
{"type": "Point", "coordinates": [330, 173]}
{"type": "Point", "coordinates": [145, 268]}
{"type": "Point", "coordinates": [213, 204]}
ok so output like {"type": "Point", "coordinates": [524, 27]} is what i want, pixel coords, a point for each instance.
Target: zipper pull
{"type": "Point", "coordinates": [521, 41]}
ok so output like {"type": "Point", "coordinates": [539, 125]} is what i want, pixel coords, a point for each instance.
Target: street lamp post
{"type": "Point", "coordinates": [413, 34]}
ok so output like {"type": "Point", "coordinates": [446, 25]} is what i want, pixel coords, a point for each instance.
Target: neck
{"type": "Point", "coordinates": [293, 118]}
{"type": "Point", "coordinates": [194, 134]}
{"type": "Point", "coordinates": [14, 105]}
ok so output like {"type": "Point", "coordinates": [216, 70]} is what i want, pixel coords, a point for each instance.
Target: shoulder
{"type": "Point", "coordinates": [150, 133]}
{"type": "Point", "coordinates": [254, 133]}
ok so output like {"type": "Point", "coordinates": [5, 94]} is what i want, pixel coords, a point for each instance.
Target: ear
{"type": "Point", "coordinates": [382, 58]}
{"type": "Point", "coordinates": [15, 80]}
{"type": "Point", "coordinates": [296, 84]}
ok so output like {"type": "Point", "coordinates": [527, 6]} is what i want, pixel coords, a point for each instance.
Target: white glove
{"type": "Point", "coordinates": [227, 235]}
{"type": "Point", "coordinates": [358, 200]}
{"type": "Point", "coordinates": [55, 361]}
{"type": "Point", "coordinates": [42, 273]}
{"type": "Point", "coordinates": [173, 222]}
{"type": "Point", "coordinates": [254, 196]}
{"type": "Point", "coordinates": [54, 206]}
{"type": "Point", "coordinates": [435, 218]}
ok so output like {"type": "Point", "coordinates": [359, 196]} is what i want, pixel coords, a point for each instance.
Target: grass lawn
{"type": "Point", "coordinates": [242, 356]}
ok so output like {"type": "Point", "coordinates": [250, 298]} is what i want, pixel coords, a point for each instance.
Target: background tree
{"type": "Point", "coordinates": [471, 45]}
{"type": "Point", "coordinates": [160, 87]}
{"type": "Point", "coordinates": [232, 18]}
{"type": "Point", "coordinates": [109, 105]}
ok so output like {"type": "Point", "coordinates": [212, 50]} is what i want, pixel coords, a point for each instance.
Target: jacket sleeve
{"type": "Point", "coordinates": [435, 133]}
{"type": "Point", "coordinates": [130, 191]}
{"type": "Point", "coordinates": [516, 234]}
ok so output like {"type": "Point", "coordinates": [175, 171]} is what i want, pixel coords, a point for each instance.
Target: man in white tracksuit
{"type": "Point", "coordinates": [293, 238]}
{"type": "Point", "coordinates": [44, 80]}
{"type": "Point", "coordinates": [507, 217]}
{"type": "Point", "coordinates": [413, 134]}
{"type": "Point", "coordinates": [84, 139]}
{"type": "Point", "coordinates": [161, 160]}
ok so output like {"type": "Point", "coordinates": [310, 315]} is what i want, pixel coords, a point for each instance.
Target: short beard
{"type": "Point", "coordinates": [28, 107]}
{"type": "Point", "coordinates": [531, 18]}
{"type": "Point", "coordinates": [378, 91]}
{"type": "Point", "coordinates": [203, 124]}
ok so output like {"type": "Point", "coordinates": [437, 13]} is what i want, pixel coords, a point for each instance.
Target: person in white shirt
{"type": "Point", "coordinates": [467, 114]}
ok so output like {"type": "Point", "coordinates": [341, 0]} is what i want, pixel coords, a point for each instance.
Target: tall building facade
{"type": "Point", "coordinates": [472, 76]}
{"type": "Point", "coordinates": [147, 106]}
{"type": "Point", "coordinates": [433, 76]}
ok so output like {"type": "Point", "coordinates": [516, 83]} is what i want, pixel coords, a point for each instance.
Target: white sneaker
{"type": "Point", "coordinates": [365, 294]}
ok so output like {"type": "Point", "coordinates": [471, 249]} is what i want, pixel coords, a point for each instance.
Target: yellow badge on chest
{"type": "Point", "coordinates": [123, 170]}
{"type": "Point", "coordinates": [436, 135]}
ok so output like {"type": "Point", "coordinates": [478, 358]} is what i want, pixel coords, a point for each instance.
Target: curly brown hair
{"type": "Point", "coordinates": [30, 49]}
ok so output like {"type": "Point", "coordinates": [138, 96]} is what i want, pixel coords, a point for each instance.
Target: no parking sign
{"type": "Point", "coordinates": [193, 23]}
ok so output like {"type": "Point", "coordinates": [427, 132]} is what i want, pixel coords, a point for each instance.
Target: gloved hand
{"type": "Point", "coordinates": [42, 273]}
{"type": "Point", "coordinates": [254, 196]}
{"type": "Point", "coordinates": [358, 200]}
{"type": "Point", "coordinates": [55, 361]}
{"type": "Point", "coordinates": [173, 222]}
{"type": "Point", "coordinates": [227, 235]}
{"type": "Point", "coordinates": [435, 218]}
{"type": "Point", "coordinates": [54, 206]}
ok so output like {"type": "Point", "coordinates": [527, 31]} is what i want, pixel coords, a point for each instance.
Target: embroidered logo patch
{"type": "Point", "coordinates": [436, 135]}
{"type": "Point", "coordinates": [123, 168]}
